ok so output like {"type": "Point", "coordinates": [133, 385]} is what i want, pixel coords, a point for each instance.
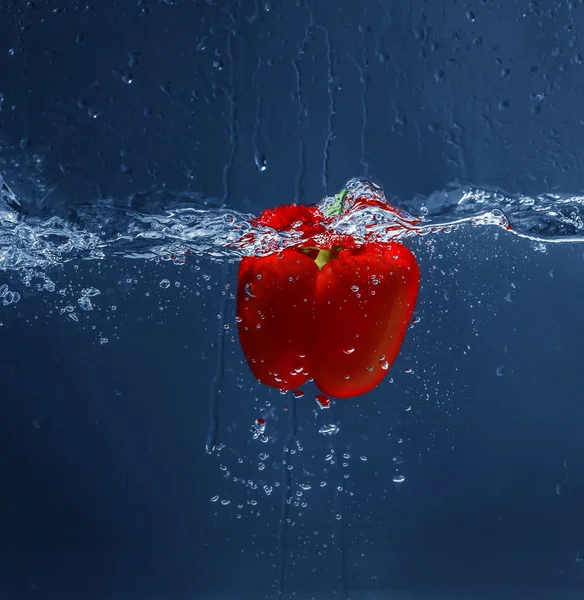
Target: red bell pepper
{"type": "Point", "coordinates": [337, 313]}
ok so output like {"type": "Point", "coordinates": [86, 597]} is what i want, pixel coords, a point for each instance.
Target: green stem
{"type": "Point", "coordinates": [322, 258]}
{"type": "Point", "coordinates": [336, 207]}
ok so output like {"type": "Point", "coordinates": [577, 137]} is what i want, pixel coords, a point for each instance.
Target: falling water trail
{"type": "Point", "coordinates": [331, 110]}
{"type": "Point", "coordinates": [219, 369]}
{"type": "Point", "coordinates": [363, 79]}
{"type": "Point", "coordinates": [259, 157]}
{"type": "Point", "coordinates": [301, 170]}
{"type": "Point", "coordinates": [338, 508]}
{"type": "Point", "coordinates": [286, 494]}
{"type": "Point", "coordinates": [232, 130]}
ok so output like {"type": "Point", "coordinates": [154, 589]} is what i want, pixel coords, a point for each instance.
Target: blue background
{"type": "Point", "coordinates": [105, 485]}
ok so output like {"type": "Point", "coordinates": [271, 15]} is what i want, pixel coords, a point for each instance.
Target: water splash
{"type": "Point", "coordinates": [101, 229]}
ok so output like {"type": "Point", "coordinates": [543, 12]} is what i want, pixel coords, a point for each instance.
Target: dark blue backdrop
{"type": "Point", "coordinates": [105, 486]}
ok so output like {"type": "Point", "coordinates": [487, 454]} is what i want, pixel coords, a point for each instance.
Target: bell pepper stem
{"type": "Point", "coordinates": [336, 207]}
{"type": "Point", "coordinates": [322, 258]}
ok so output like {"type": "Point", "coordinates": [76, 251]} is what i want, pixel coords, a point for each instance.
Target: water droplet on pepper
{"type": "Point", "coordinates": [322, 401]}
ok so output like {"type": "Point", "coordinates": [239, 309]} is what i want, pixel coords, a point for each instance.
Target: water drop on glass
{"type": "Point", "coordinates": [329, 429]}
{"type": "Point", "coordinates": [261, 162]}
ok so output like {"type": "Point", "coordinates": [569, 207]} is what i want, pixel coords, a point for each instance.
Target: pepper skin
{"type": "Point", "coordinates": [338, 315]}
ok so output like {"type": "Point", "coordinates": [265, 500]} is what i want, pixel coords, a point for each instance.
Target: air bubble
{"type": "Point", "coordinates": [258, 428]}
{"type": "Point", "coordinates": [90, 292]}
{"type": "Point", "coordinates": [85, 303]}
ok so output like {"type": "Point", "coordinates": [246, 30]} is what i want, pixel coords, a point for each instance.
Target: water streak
{"type": "Point", "coordinates": [217, 381]}
{"type": "Point", "coordinates": [286, 495]}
